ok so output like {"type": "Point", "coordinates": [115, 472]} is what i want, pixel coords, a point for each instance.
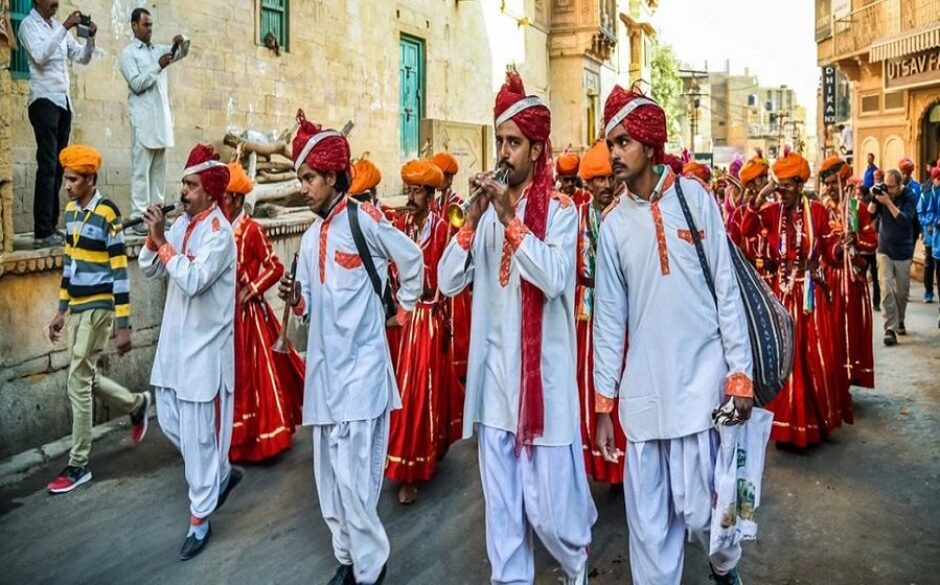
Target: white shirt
{"type": "Point", "coordinates": [148, 100]}
{"type": "Point", "coordinates": [349, 372]}
{"type": "Point", "coordinates": [48, 46]}
{"type": "Point", "coordinates": [196, 350]}
{"type": "Point", "coordinates": [494, 365]}
{"type": "Point", "coordinates": [678, 360]}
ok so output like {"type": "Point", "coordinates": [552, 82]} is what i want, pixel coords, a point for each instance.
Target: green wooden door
{"type": "Point", "coordinates": [411, 93]}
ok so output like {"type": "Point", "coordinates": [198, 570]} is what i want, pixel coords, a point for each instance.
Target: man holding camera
{"type": "Point", "coordinates": [48, 48]}
{"type": "Point", "coordinates": [143, 65]}
{"type": "Point", "coordinates": [896, 210]}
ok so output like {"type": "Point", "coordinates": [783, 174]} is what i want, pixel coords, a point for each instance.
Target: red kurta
{"type": "Point", "coordinates": [581, 196]}
{"type": "Point", "coordinates": [268, 386]}
{"type": "Point", "coordinates": [420, 429]}
{"type": "Point", "coordinates": [815, 399]}
{"type": "Point", "coordinates": [852, 298]}
{"type": "Point", "coordinates": [458, 311]}
{"type": "Point", "coordinates": [597, 468]}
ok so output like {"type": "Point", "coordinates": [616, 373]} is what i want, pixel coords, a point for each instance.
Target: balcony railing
{"type": "Point", "coordinates": [854, 33]}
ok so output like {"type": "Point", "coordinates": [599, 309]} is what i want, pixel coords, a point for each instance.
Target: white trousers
{"type": "Point", "coordinates": [546, 491]}
{"type": "Point", "coordinates": [148, 176]}
{"type": "Point", "coordinates": [668, 488]}
{"type": "Point", "coordinates": [202, 432]}
{"type": "Point", "coordinates": [348, 466]}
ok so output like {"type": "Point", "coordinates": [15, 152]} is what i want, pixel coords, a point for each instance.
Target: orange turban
{"type": "Point", "coordinates": [792, 166]}
{"type": "Point", "coordinates": [697, 169]}
{"type": "Point", "coordinates": [446, 162]}
{"type": "Point", "coordinates": [596, 162]}
{"type": "Point", "coordinates": [567, 164]}
{"type": "Point", "coordinates": [906, 165]}
{"type": "Point", "coordinates": [422, 172]}
{"type": "Point", "coordinates": [365, 177]}
{"type": "Point", "coordinates": [754, 168]}
{"type": "Point", "coordinates": [832, 166]}
{"type": "Point", "coordinates": [238, 181]}
{"type": "Point", "coordinates": [82, 159]}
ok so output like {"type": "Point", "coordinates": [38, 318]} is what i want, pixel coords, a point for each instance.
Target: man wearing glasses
{"type": "Point", "coordinates": [896, 210]}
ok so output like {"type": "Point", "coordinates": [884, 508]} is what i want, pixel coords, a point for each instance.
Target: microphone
{"type": "Point", "coordinates": [140, 219]}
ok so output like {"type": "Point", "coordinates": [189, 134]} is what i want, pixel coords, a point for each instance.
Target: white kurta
{"type": "Point", "coordinates": [195, 353]}
{"type": "Point", "coordinates": [148, 100]}
{"type": "Point", "coordinates": [349, 372]}
{"type": "Point", "coordinates": [678, 361]}
{"type": "Point", "coordinates": [494, 364]}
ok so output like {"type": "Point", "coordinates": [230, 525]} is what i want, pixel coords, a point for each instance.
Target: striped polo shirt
{"type": "Point", "coordinates": [94, 273]}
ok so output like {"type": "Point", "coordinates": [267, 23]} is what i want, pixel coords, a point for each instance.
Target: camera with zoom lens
{"type": "Point", "coordinates": [879, 189]}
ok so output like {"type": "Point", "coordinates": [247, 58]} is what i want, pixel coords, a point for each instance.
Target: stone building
{"type": "Point", "coordinates": [415, 76]}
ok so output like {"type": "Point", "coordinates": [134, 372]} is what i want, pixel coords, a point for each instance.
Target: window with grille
{"type": "Point", "coordinates": [19, 68]}
{"type": "Point", "coordinates": [274, 23]}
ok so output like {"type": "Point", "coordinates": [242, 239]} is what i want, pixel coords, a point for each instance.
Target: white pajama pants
{"type": "Point", "coordinates": [148, 175]}
{"type": "Point", "coordinates": [668, 488]}
{"type": "Point", "coordinates": [545, 491]}
{"type": "Point", "coordinates": [348, 466]}
{"type": "Point", "coordinates": [202, 432]}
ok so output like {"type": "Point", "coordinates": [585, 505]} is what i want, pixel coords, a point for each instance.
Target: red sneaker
{"type": "Point", "coordinates": [70, 478]}
{"type": "Point", "coordinates": [140, 420]}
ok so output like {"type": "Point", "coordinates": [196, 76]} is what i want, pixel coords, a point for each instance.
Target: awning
{"type": "Point", "coordinates": [913, 41]}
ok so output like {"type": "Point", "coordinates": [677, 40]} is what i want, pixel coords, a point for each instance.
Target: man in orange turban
{"type": "Point", "coordinates": [598, 176]}
{"type": "Point", "coordinates": [697, 170]}
{"type": "Point", "coordinates": [448, 165]}
{"type": "Point", "coordinates": [569, 183]}
{"type": "Point", "coordinates": [418, 433]}
{"type": "Point", "coordinates": [516, 248]}
{"type": "Point", "coordinates": [366, 177]}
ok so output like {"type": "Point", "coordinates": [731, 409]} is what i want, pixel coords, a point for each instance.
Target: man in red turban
{"type": "Point", "coordinates": [349, 387]}
{"type": "Point", "coordinates": [521, 394]}
{"type": "Point", "coordinates": [684, 343]}
{"type": "Point", "coordinates": [193, 370]}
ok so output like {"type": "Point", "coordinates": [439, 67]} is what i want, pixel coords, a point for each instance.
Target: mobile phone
{"type": "Point", "coordinates": [84, 26]}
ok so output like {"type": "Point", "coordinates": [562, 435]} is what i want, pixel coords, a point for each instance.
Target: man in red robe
{"type": "Point", "coordinates": [268, 386]}
{"type": "Point", "coordinates": [598, 176]}
{"type": "Point", "coordinates": [753, 176]}
{"type": "Point", "coordinates": [419, 431]}
{"type": "Point", "coordinates": [851, 300]}
{"type": "Point", "coordinates": [566, 171]}
{"type": "Point", "coordinates": [800, 241]}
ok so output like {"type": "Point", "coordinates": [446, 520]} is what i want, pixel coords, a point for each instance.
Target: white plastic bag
{"type": "Point", "coordinates": [738, 471]}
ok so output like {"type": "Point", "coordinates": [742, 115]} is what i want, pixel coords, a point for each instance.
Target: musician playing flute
{"type": "Point", "coordinates": [350, 385]}
{"type": "Point", "coordinates": [517, 247]}
{"type": "Point", "coordinates": [268, 385]}
{"type": "Point", "coordinates": [193, 369]}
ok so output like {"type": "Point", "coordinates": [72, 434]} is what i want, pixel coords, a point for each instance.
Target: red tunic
{"type": "Point", "coordinates": [815, 399]}
{"type": "Point", "coordinates": [419, 433]}
{"type": "Point", "coordinates": [581, 196]}
{"type": "Point", "coordinates": [268, 386]}
{"type": "Point", "coordinates": [852, 299]}
{"type": "Point", "coordinates": [597, 468]}
{"type": "Point", "coordinates": [458, 311]}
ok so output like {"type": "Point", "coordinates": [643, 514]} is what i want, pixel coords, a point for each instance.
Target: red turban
{"type": "Point", "coordinates": [81, 159]}
{"type": "Point", "coordinates": [643, 119]}
{"type": "Point", "coordinates": [673, 162]}
{"type": "Point", "coordinates": [366, 176]}
{"type": "Point", "coordinates": [535, 122]}
{"type": "Point", "coordinates": [834, 165]}
{"type": "Point", "coordinates": [754, 168]}
{"type": "Point", "coordinates": [213, 175]}
{"type": "Point", "coordinates": [906, 165]}
{"type": "Point", "coordinates": [697, 169]}
{"type": "Point", "coordinates": [792, 166]}
{"type": "Point", "coordinates": [422, 172]}
{"type": "Point", "coordinates": [446, 162]}
{"type": "Point", "coordinates": [323, 150]}
{"type": "Point", "coordinates": [567, 164]}
{"type": "Point", "coordinates": [596, 162]}
{"type": "Point", "coordinates": [935, 173]}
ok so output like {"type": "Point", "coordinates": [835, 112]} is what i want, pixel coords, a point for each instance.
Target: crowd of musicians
{"type": "Point", "coordinates": [559, 314]}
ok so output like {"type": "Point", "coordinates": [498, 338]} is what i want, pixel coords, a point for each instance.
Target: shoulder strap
{"type": "Point", "coordinates": [697, 239]}
{"type": "Point", "coordinates": [352, 210]}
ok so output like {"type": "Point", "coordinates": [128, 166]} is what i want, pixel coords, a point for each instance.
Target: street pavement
{"type": "Point", "coordinates": [860, 509]}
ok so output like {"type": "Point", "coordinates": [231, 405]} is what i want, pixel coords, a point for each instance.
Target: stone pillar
{"type": "Point", "coordinates": [6, 137]}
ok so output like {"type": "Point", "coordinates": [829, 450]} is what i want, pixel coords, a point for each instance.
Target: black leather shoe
{"type": "Point", "coordinates": [891, 338]}
{"type": "Point", "coordinates": [343, 576]}
{"type": "Point", "coordinates": [192, 546]}
{"type": "Point", "coordinates": [235, 476]}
